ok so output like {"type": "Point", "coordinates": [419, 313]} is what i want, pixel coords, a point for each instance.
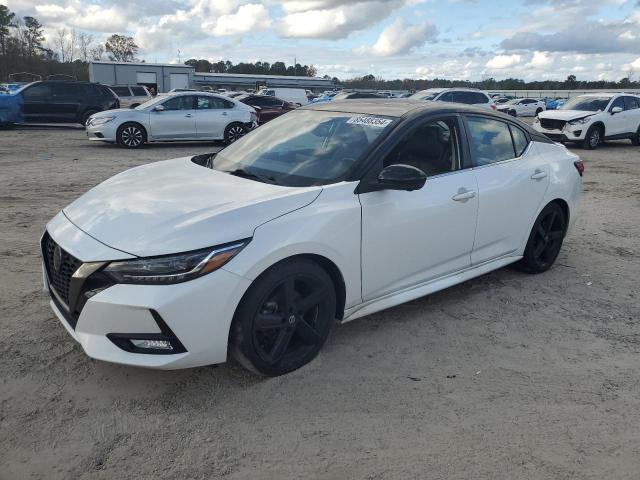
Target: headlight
{"type": "Point", "coordinates": [175, 268]}
{"type": "Point", "coordinates": [100, 120]}
{"type": "Point", "coordinates": [580, 121]}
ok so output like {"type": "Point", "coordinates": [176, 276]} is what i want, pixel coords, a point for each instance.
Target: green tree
{"type": "Point", "coordinates": [6, 21]}
{"type": "Point", "coordinates": [121, 48]}
{"type": "Point", "coordinates": [33, 36]}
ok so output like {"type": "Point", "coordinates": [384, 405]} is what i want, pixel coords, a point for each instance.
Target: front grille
{"type": "Point", "coordinates": [59, 278]}
{"type": "Point", "coordinates": [550, 124]}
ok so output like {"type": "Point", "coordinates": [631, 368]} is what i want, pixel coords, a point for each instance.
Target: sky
{"type": "Point", "coordinates": [455, 39]}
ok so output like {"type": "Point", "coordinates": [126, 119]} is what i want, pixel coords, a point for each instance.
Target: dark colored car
{"type": "Point", "coordinates": [267, 107]}
{"type": "Point", "coordinates": [61, 101]}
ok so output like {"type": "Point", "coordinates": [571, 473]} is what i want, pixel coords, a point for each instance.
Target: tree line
{"type": "Point", "coordinates": [257, 68]}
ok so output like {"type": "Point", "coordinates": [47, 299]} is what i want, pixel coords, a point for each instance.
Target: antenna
{"type": "Point", "coordinates": [179, 61]}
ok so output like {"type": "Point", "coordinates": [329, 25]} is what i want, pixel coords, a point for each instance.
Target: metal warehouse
{"type": "Point", "coordinates": [164, 77]}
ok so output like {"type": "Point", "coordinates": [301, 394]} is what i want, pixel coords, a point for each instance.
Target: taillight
{"type": "Point", "coordinates": [579, 166]}
{"type": "Point", "coordinates": [493, 107]}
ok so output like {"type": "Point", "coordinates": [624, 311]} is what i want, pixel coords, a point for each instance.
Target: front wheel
{"type": "Point", "coordinates": [233, 132]}
{"type": "Point", "coordinates": [131, 135]}
{"type": "Point", "coordinates": [545, 240]}
{"type": "Point", "coordinates": [284, 318]}
{"type": "Point", "coordinates": [592, 139]}
{"type": "Point", "coordinates": [85, 116]}
{"type": "Point", "coordinates": [635, 140]}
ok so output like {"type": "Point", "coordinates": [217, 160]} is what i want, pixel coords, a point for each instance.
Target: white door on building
{"type": "Point", "coordinates": [179, 80]}
{"type": "Point", "coordinates": [144, 78]}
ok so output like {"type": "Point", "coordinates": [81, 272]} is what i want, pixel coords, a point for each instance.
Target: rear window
{"type": "Point", "coordinates": [490, 140]}
{"type": "Point", "coordinates": [67, 89]}
{"type": "Point", "coordinates": [121, 91]}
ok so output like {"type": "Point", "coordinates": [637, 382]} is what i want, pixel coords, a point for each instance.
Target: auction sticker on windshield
{"type": "Point", "coordinates": [369, 121]}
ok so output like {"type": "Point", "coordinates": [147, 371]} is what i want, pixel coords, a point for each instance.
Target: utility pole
{"type": "Point", "coordinates": [179, 61]}
{"type": "Point", "coordinates": [295, 66]}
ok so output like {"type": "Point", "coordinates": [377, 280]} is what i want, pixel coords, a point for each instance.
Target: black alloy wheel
{"type": "Point", "coordinates": [233, 132]}
{"type": "Point", "coordinates": [285, 318]}
{"type": "Point", "coordinates": [545, 240]}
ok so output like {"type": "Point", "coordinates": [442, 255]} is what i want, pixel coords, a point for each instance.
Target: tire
{"type": "Point", "coordinates": [635, 140]}
{"type": "Point", "coordinates": [284, 318]}
{"type": "Point", "coordinates": [131, 135]}
{"type": "Point", "coordinates": [593, 138]}
{"type": "Point", "coordinates": [538, 111]}
{"type": "Point", "coordinates": [233, 132]}
{"type": "Point", "coordinates": [85, 116]}
{"type": "Point", "coordinates": [513, 113]}
{"type": "Point", "coordinates": [545, 240]}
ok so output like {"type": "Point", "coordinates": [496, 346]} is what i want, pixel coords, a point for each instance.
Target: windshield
{"type": "Point", "coordinates": [302, 148]}
{"type": "Point", "coordinates": [151, 102]}
{"type": "Point", "coordinates": [587, 104]}
{"type": "Point", "coordinates": [425, 95]}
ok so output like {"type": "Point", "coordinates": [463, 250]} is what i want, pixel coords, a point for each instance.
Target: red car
{"type": "Point", "coordinates": [267, 107]}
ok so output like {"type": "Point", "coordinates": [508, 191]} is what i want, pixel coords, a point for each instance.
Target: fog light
{"type": "Point", "coordinates": [152, 344]}
{"type": "Point", "coordinates": [577, 133]}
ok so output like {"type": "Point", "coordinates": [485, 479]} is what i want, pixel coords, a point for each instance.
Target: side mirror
{"type": "Point", "coordinates": [401, 177]}
{"type": "Point", "coordinates": [158, 108]}
{"type": "Point", "coordinates": [615, 110]}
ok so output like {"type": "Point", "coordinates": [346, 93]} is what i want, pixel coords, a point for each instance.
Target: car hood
{"type": "Point", "coordinates": [110, 113]}
{"type": "Point", "coordinates": [177, 205]}
{"type": "Point", "coordinates": [566, 114]}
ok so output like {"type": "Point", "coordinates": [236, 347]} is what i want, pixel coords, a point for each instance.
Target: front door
{"type": "Point", "coordinates": [38, 103]}
{"type": "Point", "coordinates": [512, 181]}
{"type": "Point", "coordinates": [409, 238]}
{"type": "Point", "coordinates": [176, 121]}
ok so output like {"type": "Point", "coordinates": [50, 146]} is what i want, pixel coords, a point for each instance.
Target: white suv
{"type": "Point", "coordinates": [468, 96]}
{"type": "Point", "coordinates": [522, 107]}
{"type": "Point", "coordinates": [592, 118]}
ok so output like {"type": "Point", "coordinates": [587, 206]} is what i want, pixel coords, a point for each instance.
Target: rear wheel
{"type": "Point", "coordinates": [284, 318]}
{"type": "Point", "coordinates": [131, 135]}
{"type": "Point", "coordinates": [593, 138]}
{"type": "Point", "coordinates": [636, 138]}
{"type": "Point", "coordinates": [538, 111]}
{"type": "Point", "coordinates": [513, 113]}
{"type": "Point", "coordinates": [233, 132]}
{"type": "Point", "coordinates": [545, 240]}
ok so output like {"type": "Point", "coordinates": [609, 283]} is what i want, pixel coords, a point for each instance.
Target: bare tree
{"type": "Point", "coordinates": [84, 45]}
{"type": "Point", "coordinates": [97, 52]}
{"type": "Point", "coordinates": [60, 43]}
{"type": "Point", "coordinates": [72, 40]}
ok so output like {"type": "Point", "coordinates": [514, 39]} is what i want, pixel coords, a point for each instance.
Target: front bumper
{"type": "Point", "coordinates": [196, 313]}
{"type": "Point", "coordinates": [569, 133]}
{"type": "Point", "coordinates": [103, 133]}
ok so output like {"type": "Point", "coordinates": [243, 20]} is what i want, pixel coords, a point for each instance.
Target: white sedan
{"type": "Point", "coordinates": [522, 107]}
{"type": "Point", "coordinates": [177, 116]}
{"type": "Point", "coordinates": [333, 211]}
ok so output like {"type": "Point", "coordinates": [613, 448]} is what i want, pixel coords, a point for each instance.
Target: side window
{"type": "Point", "coordinates": [139, 91]}
{"type": "Point", "coordinates": [273, 102]}
{"type": "Point", "coordinates": [260, 101]}
{"type": "Point", "coordinates": [490, 140]}
{"type": "Point", "coordinates": [433, 147]}
{"type": "Point", "coordinates": [210, 103]}
{"type": "Point", "coordinates": [520, 140]}
{"type": "Point", "coordinates": [183, 102]}
{"type": "Point", "coordinates": [618, 102]}
{"type": "Point", "coordinates": [446, 97]}
{"type": "Point", "coordinates": [38, 91]}
{"type": "Point", "coordinates": [67, 90]}
{"type": "Point", "coordinates": [479, 98]}
{"type": "Point", "coordinates": [121, 91]}
{"type": "Point", "coordinates": [631, 103]}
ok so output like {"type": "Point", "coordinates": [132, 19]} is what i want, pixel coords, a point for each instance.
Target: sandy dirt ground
{"type": "Point", "coordinates": [508, 376]}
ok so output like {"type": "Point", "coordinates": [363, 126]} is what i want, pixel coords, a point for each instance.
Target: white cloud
{"type": "Point", "coordinates": [248, 18]}
{"type": "Point", "coordinates": [500, 62]}
{"type": "Point", "coordinates": [400, 37]}
{"type": "Point", "coordinates": [540, 59]}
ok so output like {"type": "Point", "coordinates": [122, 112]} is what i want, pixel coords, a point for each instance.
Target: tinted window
{"type": "Point", "coordinates": [432, 147]}
{"type": "Point", "coordinates": [121, 91]}
{"type": "Point", "coordinates": [139, 91]}
{"type": "Point", "coordinates": [631, 103]}
{"type": "Point", "coordinates": [40, 90]}
{"type": "Point", "coordinates": [446, 97]}
{"type": "Point", "coordinates": [183, 102]}
{"type": "Point", "coordinates": [477, 97]}
{"type": "Point", "coordinates": [258, 101]}
{"type": "Point", "coordinates": [520, 141]}
{"type": "Point", "coordinates": [490, 140]}
{"type": "Point", "coordinates": [67, 90]}
{"type": "Point", "coordinates": [211, 103]}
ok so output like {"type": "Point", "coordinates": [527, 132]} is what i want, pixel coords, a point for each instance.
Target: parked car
{"type": "Point", "coordinates": [332, 211]}
{"type": "Point", "coordinates": [555, 103]}
{"type": "Point", "coordinates": [592, 118]}
{"type": "Point", "coordinates": [468, 96]}
{"type": "Point", "coordinates": [236, 94]}
{"type": "Point", "coordinates": [131, 96]}
{"type": "Point", "coordinates": [498, 100]}
{"type": "Point", "coordinates": [178, 116]}
{"type": "Point", "coordinates": [65, 101]}
{"type": "Point", "coordinates": [357, 95]}
{"type": "Point", "coordinates": [522, 107]}
{"type": "Point", "coordinates": [266, 106]}
{"type": "Point", "coordinates": [297, 96]}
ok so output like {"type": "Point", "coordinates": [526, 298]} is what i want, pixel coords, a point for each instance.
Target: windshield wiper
{"type": "Point", "coordinates": [240, 172]}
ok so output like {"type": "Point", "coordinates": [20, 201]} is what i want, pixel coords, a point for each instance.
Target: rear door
{"type": "Point", "coordinates": [512, 181]}
{"type": "Point", "coordinates": [409, 238]}
{"type": "Point", "coordinates": [632, 105]}
{"type": "Point", "coordinates": [176, 121]}
{"type": "Point", "coordinates": [212, 116]}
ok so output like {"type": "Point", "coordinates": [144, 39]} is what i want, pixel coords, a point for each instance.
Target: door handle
{"type": "Point", "coordinates": [224, 114]}
{"type": "Point", "coordinates": [463, 195]}
{"type": "Point", "coordinates": [538, 175]}
{"type": "Point", "coordinates": [187, 115]}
